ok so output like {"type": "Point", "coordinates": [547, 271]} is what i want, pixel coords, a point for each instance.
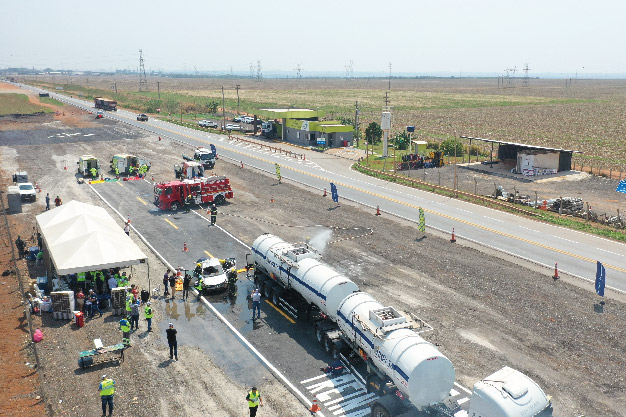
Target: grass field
{"type": "Point", "coordinates": [583, 115]}
{"type": "Point", "coordinates": [19, 104]}
{"type": "Point", "coordinates": [50, 100]}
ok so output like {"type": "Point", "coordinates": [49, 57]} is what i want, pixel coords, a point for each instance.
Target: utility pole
{"type": "Point", "coordinates": [386, 98]}
{"type": "Point", "coordinates": [143, 81]}
{"type": "Point", "coordinates": [356, 122]}
{"type": "Point", "coordinates": [389, 76]}
{"type": "Point", "coordinates": [237, 88]}
{"type": "Point", "coordinates": [223, 111]}
{"type": "Point", "coordinates": [159, 88]}
{"type": "Point", "coordinates": [115, 86]}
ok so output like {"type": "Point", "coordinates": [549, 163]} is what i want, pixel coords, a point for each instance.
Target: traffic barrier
{"type": "Point", "coordinates": [185, 247]}
{"type": "Point", "coordinates": [453, 239]}
{"type": "Point", "coordinates": [378, 210]}
{"type": "Point", "coordinates": [324, 193]}
{"type": "Point", "coordinates": [556, 271]}
{"type": "Point", "coordinates": [315, 408]}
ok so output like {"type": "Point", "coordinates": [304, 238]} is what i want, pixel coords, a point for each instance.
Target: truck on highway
{"type": "Point", "coordinates": [172, 195]}
{"type": "Point", "coordinates": [204, 156]}
{"type": "Point", "coordinates": [105, 104]}
{"type": "Point", "coordinates": [410, 375]}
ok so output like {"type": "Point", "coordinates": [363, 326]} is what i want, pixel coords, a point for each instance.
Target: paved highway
{"type": "Point", "coordinates": [576, 253]}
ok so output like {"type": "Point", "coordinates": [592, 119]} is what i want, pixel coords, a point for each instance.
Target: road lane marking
{"type": "Point", "coordinates": [119, 183]}
{"type": "Point", "coordinates": [394, 200]}
{"type": "Point", "coordinates": [281, 312]}
{"type": "Point", "coordinates": [171, 224]}
{"type": "Point", "coordinates": [143, 202]}
{"type": "Point", "coordinates": [207, 252]}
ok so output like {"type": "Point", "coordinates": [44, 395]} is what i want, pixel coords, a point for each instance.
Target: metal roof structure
{"type": "Point", "coordinates": [289, 113]}
{"type": "Point", "coordinates": [520, 145]}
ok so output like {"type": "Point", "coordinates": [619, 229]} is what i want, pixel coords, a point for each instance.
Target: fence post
{"type": "Point", "coordinates": [560, 205]}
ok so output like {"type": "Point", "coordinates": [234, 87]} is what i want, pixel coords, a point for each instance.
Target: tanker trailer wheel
{"type": "Point", "coordinates": [319, 335]}
{"type": "Point", "coordinates": [275, 295]}
{"type": "Point", "coordinates": [175, 206]}
{"type": "Point", "coordinates": [380, 411]}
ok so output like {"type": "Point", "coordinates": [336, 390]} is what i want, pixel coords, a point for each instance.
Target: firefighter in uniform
{"type": "Point", "coordinates": [187, 204]}
{"type": "Point", "coordinates": [213, 214]}
{"type": "Point", "coordinates": [125, 328]}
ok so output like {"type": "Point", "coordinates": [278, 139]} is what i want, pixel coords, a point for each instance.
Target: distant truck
{"type": "Point", "coordinates": [269, 130]}
{"type": "Point", "coordinates": [105, 104]}
{"type": "Point", "coordinates": [204, 156]}
{"type": "Point", "coordinates": [88, 166]}
{"type": "Point", "coordinates": [128, 164]}
{"type": "Point", "coordinates": [172, 195]}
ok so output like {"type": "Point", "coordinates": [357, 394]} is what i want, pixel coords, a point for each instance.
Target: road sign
{"type": "Point", "coordinates": [600, 279]}
{"type": "Point", "coordinates": [333, 192]}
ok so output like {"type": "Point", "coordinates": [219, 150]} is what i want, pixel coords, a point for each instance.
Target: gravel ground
{"type": "Point", "coordinates": [487, 311]}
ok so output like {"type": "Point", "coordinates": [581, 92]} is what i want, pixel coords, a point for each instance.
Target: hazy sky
{"type": "Point", "coordinates": [415, 36]}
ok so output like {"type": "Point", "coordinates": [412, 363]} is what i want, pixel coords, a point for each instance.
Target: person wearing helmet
{"type": "Point", "coordinates": [148, 314]}
{"type": "Point", "coordinates": [107, 390]}
{"type": "Point", "coordinates": [213, 214]}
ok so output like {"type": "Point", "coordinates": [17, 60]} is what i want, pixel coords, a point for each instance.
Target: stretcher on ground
{"type": "Point", "coordinates": [102, 353]}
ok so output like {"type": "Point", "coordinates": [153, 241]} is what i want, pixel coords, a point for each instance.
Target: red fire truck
{"type": "Point", "coordinates": [172, 195]}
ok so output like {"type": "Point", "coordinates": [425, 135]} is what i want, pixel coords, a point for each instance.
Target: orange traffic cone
{"type": "Point", "coordinates": [556, 271]}
{"type": "Point", "coordinates": [272, 200]}
{"type": "Point", "coordinates": [159, 138]}
{"type": "Point", "coordinates": [324, 193]}
{"type": "Point", "coordinates": [315, 408]}
{"type": "Point", "coordinates": [242, 164]}
{"type": "Point", "coordinates": [378, 210]}
{"type": "Point", "coordinates": [185, 247]}
{"type": "Point", "coordinates": [453, 239]}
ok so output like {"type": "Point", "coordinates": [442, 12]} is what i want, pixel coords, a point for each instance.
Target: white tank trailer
{"type": "Point", "coordinates": [398, 358]}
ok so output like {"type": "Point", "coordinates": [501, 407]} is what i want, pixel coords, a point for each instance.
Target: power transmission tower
{"type": "Point", "coordinates": [251, 71]}
{"type": "Point", "coordinates": [259, 74]}
{"type": "Point", "coordinates": [298, 71]}
{"type": "Point", "coordinates": [143, 81]}
{"type": "Point", "coordinates": [526, 77]}
{"type": "Point", "coordinates": [349, 70]}
{"type": "Point", "coordinates": [510, 72]}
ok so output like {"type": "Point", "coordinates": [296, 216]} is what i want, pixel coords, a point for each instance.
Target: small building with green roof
{"type": "Point", "coordinates": [303, 127]}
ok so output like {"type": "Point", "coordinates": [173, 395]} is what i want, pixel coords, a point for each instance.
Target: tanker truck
{"type": "Point", "coordinates": [410, 375]}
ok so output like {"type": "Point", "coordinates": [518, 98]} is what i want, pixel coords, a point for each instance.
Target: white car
{"type": "Point", "coordinates": [212, 273]}
{"type": "Point", "coordinates": [247, 119]}
{"type": "Point", "coordinates": [207, 123]}
{"type": "Point", "coordinates": [27, 191]}
{"type": "Point", "coordinates": [230, 126]}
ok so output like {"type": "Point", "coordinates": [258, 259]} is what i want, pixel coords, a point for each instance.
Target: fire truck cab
{"type": "Point", "coordinates": [172, 195]}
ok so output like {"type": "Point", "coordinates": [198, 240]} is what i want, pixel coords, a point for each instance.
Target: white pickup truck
{"type": "Point", "coordinates": [27, 191]}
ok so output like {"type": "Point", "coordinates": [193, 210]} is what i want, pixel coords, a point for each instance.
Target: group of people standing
{"type": "Point", "coordinates": [169, 284]}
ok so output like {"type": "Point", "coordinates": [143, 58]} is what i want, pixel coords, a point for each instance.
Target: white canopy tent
{"type": "Point", "coordinates": [80, 237]}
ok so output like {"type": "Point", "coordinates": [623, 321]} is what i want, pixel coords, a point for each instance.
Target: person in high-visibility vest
{"type": "Point", "coordinates": [130, 169]}
{"type": "Point", "coordinates": [254, 399]}
{"type": "Point", "coordinates": [129, 300]}
{"type": "Point", "coordinates": [80, 279]}
{"type": "Point", "coordinates": [125, 328]}
{"type": "Point", "coordinates": [148, 313]}
{"type": "Point", "coordinates": [117, 170]}
{"type": "Point", "coordinates": [107, 390]}
{"type": "Point", "coordinates": [94, 172]}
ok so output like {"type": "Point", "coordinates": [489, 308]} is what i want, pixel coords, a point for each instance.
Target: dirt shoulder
{"type": "Point", "coordinates": [487, 312]}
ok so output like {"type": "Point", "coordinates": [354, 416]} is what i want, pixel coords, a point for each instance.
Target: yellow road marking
{"type": "Point", "coordinates": [172, 224]}
{"type": "Point", "coordinates": [281, 312]}
{"type": "Point", "coordinates": [144, 203]}
{"type": "Point", "coordinates": [583, 258]}
{"type": "Point", "coordinates": [207, 252]}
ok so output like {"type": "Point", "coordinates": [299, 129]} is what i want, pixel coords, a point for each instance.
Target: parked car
{"type": "Point", "coordinates": [142, 117]}
{"type": "Point", "coordinates": [230, 126]}
{"type": "Point", "coordinates": [238, 119]}
{"type": "Point", "coordinates": [207, 123]}
{"type": "Point", "coordinates": [27, 191]}
{"type": "Point", "coordinates": [247, 119]}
